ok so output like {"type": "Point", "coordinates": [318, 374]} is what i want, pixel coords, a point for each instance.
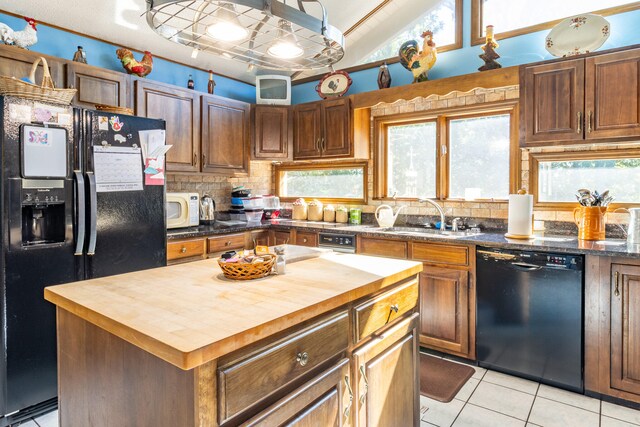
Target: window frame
{"type": "Point", "coordinates": [536, 158]}
{"type": "Point", "coordinates": [442, 118]}
{"type": "Point", "coordinates": [477, 26]}
{"type": "Point", "coordinates": [284, 167]}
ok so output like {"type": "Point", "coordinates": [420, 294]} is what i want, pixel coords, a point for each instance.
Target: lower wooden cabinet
{"type": "Point", "coordinates": [305, 238]}
{"type": "Point", "coordinates": [612, 327]}
{"type": "Point", "coordinates": [279, 237]}
{"type": "Point", "coordinates": [326, 400]}
{"type": "Point", "coordinates": [382, 247]}
{"type": "Point", "coordinates": [385, 375]}
{"type": "Point", "coordinates": [444, 309]}
{"type": "Point", "coordinates": [186, 250]}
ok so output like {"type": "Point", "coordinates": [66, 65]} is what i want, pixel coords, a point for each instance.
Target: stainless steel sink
{"type": "Point", "coordinates": [418, 231]}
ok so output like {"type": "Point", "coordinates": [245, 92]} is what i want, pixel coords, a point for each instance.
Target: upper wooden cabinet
{"type": "Point", "coordinates": [326, 129]}
{"type": "Point", "coordinates": [17, 62]}
{"type": "Point", "coordinates": [98, 86]}
{"type": "Point", "coordinates": [589, 99]}
{"type": "Point", "coordinates": [272, 131]}
{"type": "Point", "coordinates": [225, 136]}
{"type": "Point", "coordinates": [180, 108]}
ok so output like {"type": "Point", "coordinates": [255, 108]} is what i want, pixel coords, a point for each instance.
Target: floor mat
{"type": "Point", "coordinates": [441, 379]}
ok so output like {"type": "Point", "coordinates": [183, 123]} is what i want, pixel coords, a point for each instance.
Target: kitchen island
{"type": "Point", "coordinates": [332, 342]}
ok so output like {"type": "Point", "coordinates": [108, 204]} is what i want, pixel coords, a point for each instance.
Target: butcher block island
{"type": "Point", "coordinates": [333, 342]}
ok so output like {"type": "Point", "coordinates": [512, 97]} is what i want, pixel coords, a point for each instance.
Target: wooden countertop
{"type": "Point", "coordinates": [189, 314]}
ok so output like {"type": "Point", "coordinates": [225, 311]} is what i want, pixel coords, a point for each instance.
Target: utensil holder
{"type": "Point", "coordinates": [591, 222]}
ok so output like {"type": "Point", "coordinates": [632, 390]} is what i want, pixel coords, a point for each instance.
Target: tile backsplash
{"type": "Point", "coordinates": [261, 177]}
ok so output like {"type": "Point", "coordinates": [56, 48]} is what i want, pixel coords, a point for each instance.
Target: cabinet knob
{"type": "Point", "coordinates": [302, 358]}
{"type": "Point", "coordinates": [394, 308]}
{"type": "Point", "coordinates": [228, 243]}
{"type": "Point", "coordinates": [183, 249]}
{"type": "Point", "coordinates": [304, 240]}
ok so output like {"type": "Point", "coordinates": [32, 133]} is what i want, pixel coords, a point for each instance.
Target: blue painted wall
{"type": "Point", "coordinates": [54, 42]}
{"type": "Point", "coordinates": [513, 51]}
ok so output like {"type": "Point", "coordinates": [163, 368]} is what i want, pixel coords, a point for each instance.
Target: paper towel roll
{"type": "Point", "coordinates": [520, 215]}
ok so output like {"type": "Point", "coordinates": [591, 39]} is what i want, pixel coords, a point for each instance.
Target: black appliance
{"type": "Point", "coordinates": [57, 228]}
{"type": "Point", "coordinates": [530, 315]}
{"type": "Point", "coordinates": [337, 242]}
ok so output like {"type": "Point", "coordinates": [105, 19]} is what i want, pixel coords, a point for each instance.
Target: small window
{"type": "Point", "coordinates": [411, 162]}
{"type": "Point", "coordinates": [327, 182]}
{"type": "Point", "coordinates": [479, 157]}
{"type": "Point", "coordinates": [512, 18]}
{"type": "Point", "coordinates": [559, 179]}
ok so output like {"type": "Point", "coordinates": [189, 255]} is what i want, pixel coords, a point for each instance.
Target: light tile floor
{"type": "Point", "coordinates": [494, 399]}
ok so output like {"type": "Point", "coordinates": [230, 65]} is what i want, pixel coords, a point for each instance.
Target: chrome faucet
{"type": "Point", "coordinates": [439, 208]}
{"type": "Point", "coordinates": [454, 224]}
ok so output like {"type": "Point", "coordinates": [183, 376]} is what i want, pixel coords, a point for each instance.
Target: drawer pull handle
{"type": "Point", "coordinates": [183, 249]}
{"type": "Point", "coordinates": [302, 358]}
{"type": "Point", "coordinates": [363, 396]}
{"type": "Point", "coordinates": [347, 410]}
{"type": "Point", "coordinates": [579, 130]}
{"type": "Point", "coordinates": [589, 121]}
{"type": "Point", "coordinates": [394, 308]}
{"type": "Point", "coordinates": [617, 290]}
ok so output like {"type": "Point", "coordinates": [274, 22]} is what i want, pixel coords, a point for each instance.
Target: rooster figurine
{"type": "Point", "coordinates": [419, 63]}
{"type": "Point", "coordinates": [140, 68]}
{"type": "Point", "coordinates": [24, 39]}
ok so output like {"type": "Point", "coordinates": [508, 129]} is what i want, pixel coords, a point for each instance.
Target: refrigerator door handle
{"type": "Point", "coordinates": [93, 213]}
{"type": "Point", "coordinates": [80, 212]}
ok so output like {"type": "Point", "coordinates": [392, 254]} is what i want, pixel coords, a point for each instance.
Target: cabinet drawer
{"type": "Point", "coordinates": [306, 239]}
{"type": "Point", "coordinates": [440, 254]}
{"type": "Point", "coordinates": [382, 247]}
{"type": "Point", "coordinates": [251, 378]}
{"type": "Point", "coordinates": [185, 248]}
{"type": "Point", "coordinates": [225, 243]}
{"type": "Point", "coordinates": [377, 312]}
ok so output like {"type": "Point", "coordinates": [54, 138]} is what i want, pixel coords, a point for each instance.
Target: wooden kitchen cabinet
{"type": "Point", "coordinates": [17, 62]}
{"type": "Point", "coordinates": [278, 237]}
{"type": "Point", "coordinates": [98, 86]}
{"type": "Point", "coordinates": [180, 108]}
{"type": "Point", "coordinates": [385, 372]}
{"type": "Point", "coordinates": [596, 98]}
{"type": "Point", "coordinates": [381, 247]}
{"type": "Point", "coordinates": [325, 129]}
{"type": "Point", "coordinates": [306, 238]}
{"type": "Point", "coordinates": [612, 327]}
{"type": "Point", "coordinates": [225, 136]}
{"type": "Point", "coordinates": [444, 310]}
{"type": "Point", "coordinates": [272, 131]}
{"type": "Point", "coordinates": [185, 250]}
{"type": "Point", "coordinates": [256, 238]}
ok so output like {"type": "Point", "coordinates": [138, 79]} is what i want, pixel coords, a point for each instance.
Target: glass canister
{"type": "Point", "coordinates": [342, 215]}
{"type": "Point", "coordinates": [355, 216]}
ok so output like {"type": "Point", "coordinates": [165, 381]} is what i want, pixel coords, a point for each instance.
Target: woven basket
{"type": "Point", "coordinates": [46, 92]}
{"type": "Point", "coordinates": [114, 109]}
{"type": "Point", "coordinates": [242, 271]}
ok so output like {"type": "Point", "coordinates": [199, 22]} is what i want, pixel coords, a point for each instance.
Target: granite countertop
{"type": "Point", "coordinates": [542, 242]}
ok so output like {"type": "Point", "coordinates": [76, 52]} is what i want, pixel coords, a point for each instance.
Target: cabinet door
{"type": "Point", "coordinates": [553, 99]}
{"type": "Point", "coordinates": [307, 132]}
{"type": "Point", "coordinates": [225, 136]}
{"type": "Point", "coordinates": [444, 309]}
{"type": "Point", "coordinates": [279, 237]}
{"type": "Point", "coordinates": [324, 401]}
{"type": "Point", "coordinates": [386, 378]}
{"type": "Point", "coordinates": [257, 238]}
{"type": "Point", "coordinates": [336, 138]}
{"type": "Point", "coordinates": [98, 86]}
{"type": "Point", "coordinates": [625, 328]}
{"type": "Point", "coordinates": [181, 110]}
{"type": "Point", "coordinates": [17, 62]}
{"type": "Point", "coordinates": [612, 95]}
{"type": "Point", "coordinates": [271, 132]}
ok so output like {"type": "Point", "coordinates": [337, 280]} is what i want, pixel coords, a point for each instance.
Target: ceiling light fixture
{"type": "Point", "coordinates": [227, 26]}
{"type": "Point", "coordinates": [267, 33]}
{"type": "Point", "coordinates": [286, 45]}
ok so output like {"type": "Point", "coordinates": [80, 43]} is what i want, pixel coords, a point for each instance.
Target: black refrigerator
{"type": "Point", "coordinates": [61, 221]}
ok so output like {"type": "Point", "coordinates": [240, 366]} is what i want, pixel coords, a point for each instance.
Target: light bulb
{"type": "Point", "coordinates": [285, 46]}
{"type": "Point", "coordinates": [228, 27]}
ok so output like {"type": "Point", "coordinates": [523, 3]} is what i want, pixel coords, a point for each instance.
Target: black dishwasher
{"type": "Point", "coordinates": [530, 315]}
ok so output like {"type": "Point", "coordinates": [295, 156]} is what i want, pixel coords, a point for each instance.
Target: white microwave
{"type": "Point", "coordinates": [183, 210]}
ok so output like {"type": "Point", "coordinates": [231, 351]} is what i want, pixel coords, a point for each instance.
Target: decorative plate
{"type": "Point", "coordinates": [334, 85]}
{"type": "Point", "coordinates": [577, 35]}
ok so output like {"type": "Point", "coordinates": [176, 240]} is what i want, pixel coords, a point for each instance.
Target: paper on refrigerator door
{"type": "Point", "coordinates": [117, 169]}
{"type": "Point", "coordinates": [153, 151]}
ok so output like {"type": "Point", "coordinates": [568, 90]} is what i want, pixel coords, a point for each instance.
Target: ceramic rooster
{"type": "Point", "coordinates": [140, 68]}
{"type": "Point", "coordinates": [24, 39]}
{"type": "Point", "coordinates": [419, 62]}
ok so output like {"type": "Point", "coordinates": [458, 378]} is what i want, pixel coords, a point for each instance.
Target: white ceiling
{"type": "Point", "coordinates": [122, 22]}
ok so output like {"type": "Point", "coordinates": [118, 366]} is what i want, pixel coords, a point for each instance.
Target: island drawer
{"type": "Point", "coordinates": [379, 311]}
{"type": "Point", "coordinates": [226, 242]}
{"type": "Point", "coordinates": [440, 254]}
{"type": "Point", "coordinates": [382, 247]}
{"type": "Point", "coordinates": [250, 378]}
{"type": "Point", "coordinates": [185, 249]}
{"type": "Point", "coordinates": [304, 238]}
